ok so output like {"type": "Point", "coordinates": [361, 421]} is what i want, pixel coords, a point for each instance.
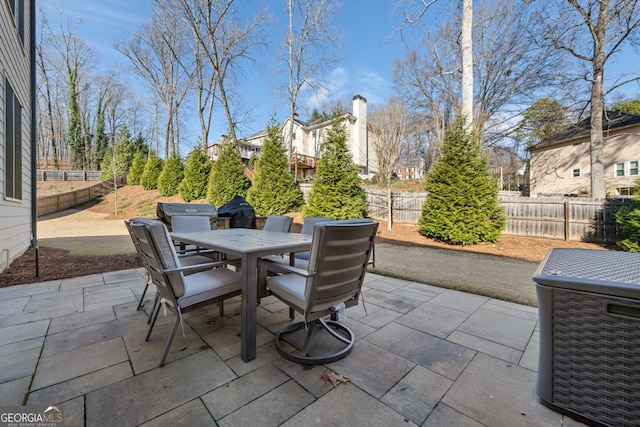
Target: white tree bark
{"type": "Point", "coordinates": [466, 109]}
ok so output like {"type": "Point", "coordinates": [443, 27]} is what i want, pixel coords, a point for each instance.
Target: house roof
{"type": "Point", "coordinates": [611, 120]}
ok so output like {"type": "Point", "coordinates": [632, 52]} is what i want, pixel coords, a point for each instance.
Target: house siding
{"type": "Point", "coordinates": [15, 215]}
{"type": "Point", "coordinates": [552, 166]}
{"type": "Point", "coordinates": [309, 138]}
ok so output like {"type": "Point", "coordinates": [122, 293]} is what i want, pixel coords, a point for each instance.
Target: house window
{"type": "Point", "coordinates": [13, 145]}
{"type": "Point", "coordinates": [633, 168]}
{"type": "Point", "coordinates": [17, 10]}
{"type": "Point", "coordinates": [619, 171]}
{"type": "Point", "coordinates": [575, 173]}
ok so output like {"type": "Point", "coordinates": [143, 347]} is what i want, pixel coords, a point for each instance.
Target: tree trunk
{"type": "Point", "coordinates": [292, 106]}
{"type": "Point", "coordinates": [467, 63]}
{"type": "Point", "coordinates": [227, 110]}
{"type": "Point", "coordinates": [598, 190]}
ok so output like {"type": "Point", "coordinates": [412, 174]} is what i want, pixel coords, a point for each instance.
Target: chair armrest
{"type": "Point", "coordinates": [277, 267]}
{"type": "Point", "coordinates": [190, 269]}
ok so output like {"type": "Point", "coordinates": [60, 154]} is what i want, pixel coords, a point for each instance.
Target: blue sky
{"type": "Point", "coordinates": [369, 47]}
{"type": "Point", "coordinates": [366, 55]}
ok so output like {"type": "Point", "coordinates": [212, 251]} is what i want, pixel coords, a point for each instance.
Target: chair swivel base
{"type": "Point", "coordinates": [335, 329]}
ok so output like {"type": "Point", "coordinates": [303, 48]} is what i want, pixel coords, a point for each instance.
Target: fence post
{"type": "Point", "coordinates": [389, 208]}
{"type": "Point", "coordinates": [567, 220]}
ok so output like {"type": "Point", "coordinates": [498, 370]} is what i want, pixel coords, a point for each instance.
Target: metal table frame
{"type": "Point", "coordinates": [250, 245]}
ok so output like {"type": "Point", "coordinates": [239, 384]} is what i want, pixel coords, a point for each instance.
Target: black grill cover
{"type": "Point", "coordinates": [240, 212]}
{"type": "Point", "coordinates": [165, 211]}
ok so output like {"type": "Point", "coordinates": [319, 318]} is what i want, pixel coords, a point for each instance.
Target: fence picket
{"type": "Point", "coordinates": [590, 220]}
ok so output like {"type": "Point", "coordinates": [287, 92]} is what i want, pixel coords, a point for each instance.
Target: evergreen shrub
{"type": "Point", "coordinates": [336, 191]}
{"type": "Point", "coordinates": [171, 175]}
{"type": "Point", "coordinates": [462, 205]}
{"type": "Point", "coordinates": [227, 178]}
{"type": "Point", "coordinates": [196, 175]}
{"type": "Point", "coordinates": [274, 191]}
{"type": "Point", "coordinates": [152, 170]}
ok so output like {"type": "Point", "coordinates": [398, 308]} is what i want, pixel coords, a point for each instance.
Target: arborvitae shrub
{"type": "Point", "coordinates": [171, 175]}
{"type": "Point", "coordinates": [152, 170]}
{"type": "Point", "coordinates": [274, 191]}
{"type": "Point", "coordinates": [137, 168]}
{"type": "Point", "coordinates": [336, 190]}
{"type": "Point", "coordinates": [227, 178]}
{"type": "Point", "coordinates": [462, 205]}
{"type": "Point", "coordinates": [196, 175]}
{"type": "Point", "coordinates": [628, 219]}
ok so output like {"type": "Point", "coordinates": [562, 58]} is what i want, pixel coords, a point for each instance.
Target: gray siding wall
{"type": "Point", "coordinates": [15, 216]}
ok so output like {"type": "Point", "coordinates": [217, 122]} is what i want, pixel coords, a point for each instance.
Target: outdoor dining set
{"type": "Point", "coordinates": [317, 273]}
{"type": "Point", "coordinates": [587, 300]}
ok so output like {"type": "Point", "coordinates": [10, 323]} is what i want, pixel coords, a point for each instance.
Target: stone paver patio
{"type": "Point", "coordinates": [425, 356]}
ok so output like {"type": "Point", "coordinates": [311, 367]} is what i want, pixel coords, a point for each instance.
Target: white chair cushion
{"type": "Point", "coordinates": [290, 286]}
{"type": "Point", "coordinates": [208, 284]}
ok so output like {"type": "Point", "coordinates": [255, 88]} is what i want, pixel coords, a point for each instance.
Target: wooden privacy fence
{"type": "Point", "coordinates": [62, 201]}
{"type": "Point", "coordinates": [557, 218]}
{"type": "Point", "coordinates": [58, 175]}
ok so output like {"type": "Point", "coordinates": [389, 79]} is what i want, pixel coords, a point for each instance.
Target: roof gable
{"type": "Point", "coordinates": [611, 120]}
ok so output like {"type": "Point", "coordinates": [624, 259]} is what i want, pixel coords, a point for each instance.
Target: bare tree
{"type": "Point", "coordinates": [47, 134]}
{"type": "Point", "coordinates": [592, 32]}
{"type": "Point", "coordinates": [154, 52]}
{"type": "Point", "coordinates": [414, 11]}
{"type": "Point", "coordinates": [311, 30]}
{"type": "Point", "coordinates": [387, 125]}
{"type": "Point", "coordinates": [198, 68]}
{"type": "Point", "coordinates": [221, 41]}
{"type": "Point", "coordinates": [74, 60]}
{"type": "Point", "coordinates": [509, 69]}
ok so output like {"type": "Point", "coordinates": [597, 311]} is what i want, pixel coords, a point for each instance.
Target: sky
{"type": "Point", "coordinates": [369, 46]}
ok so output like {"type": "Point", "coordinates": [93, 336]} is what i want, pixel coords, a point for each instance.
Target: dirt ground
{"type": "Point", "coordinates": [131, 201]}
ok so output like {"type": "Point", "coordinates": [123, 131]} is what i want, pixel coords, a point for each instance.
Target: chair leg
{"type": "Point", "coordinates": [307, 341]}
{"type": "Point", "coordinates": [170, 340]}
{"type": "Point", "coordinates": [143, 294]}
{"type": "Point", "coordinates": [292, 313]}
{"type": "Point", "coordinates": [221, 308]}
{"type": "Point", "coordinates": [156, 301]}
{"type": "Point", "coordinates": [154, 316]}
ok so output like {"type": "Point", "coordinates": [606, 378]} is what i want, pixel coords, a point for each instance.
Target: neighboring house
{"type": "Point", "coordinates": [17, 86]}
{"type": "Point", "coordinates": [307, 139]}
{"type": "Point", "coordinates": [404, 172]}
{"type": "Point", "coordinates": [561, 165]}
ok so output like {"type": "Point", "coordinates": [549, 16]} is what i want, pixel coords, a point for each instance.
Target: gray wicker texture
{"type": "Point", "coordinates": [596, 356]}
{"type": "Point", "coordinates": [608, 266]}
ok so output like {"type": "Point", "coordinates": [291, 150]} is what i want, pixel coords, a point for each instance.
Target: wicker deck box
{"type": "Point", "coordinates": [589, 311]}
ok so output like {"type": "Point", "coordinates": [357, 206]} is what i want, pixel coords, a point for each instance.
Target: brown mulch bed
{"type": "Point", "coordinates": [54, 264]}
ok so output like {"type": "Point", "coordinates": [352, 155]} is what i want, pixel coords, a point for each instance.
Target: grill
{"type": "Point", "coordinates": [165, 211]}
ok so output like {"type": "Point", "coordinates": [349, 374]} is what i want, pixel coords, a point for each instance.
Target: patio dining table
{"type": "Point", "coordinates": [249, 245]}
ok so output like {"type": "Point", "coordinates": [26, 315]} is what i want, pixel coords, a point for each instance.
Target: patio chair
{"type": "Point", "coordinates": [143, 261]}
{"type": "Point", "coordinates": [184, 260]}
{"type": "Point", "coordinates": [302, 258]}
{"type": "Point", "coordinates": [191, 224]}
{"type": "Point", "coordinates": [280, 223]}
{"type": "Point", "coordinates": [180, 288]}
{"type": "Point", "coordinates": [337, 265]}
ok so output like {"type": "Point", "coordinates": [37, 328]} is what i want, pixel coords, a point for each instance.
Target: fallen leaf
{"type": "Point", "coordinates": [334, 378]}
